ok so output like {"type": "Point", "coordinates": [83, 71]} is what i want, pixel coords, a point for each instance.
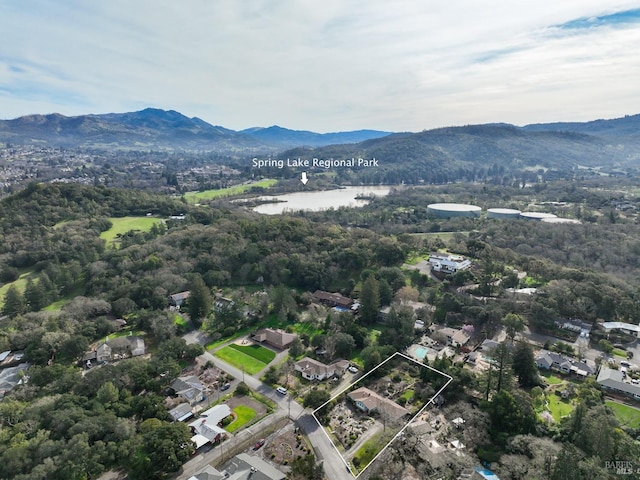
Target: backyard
{"type": "Point", "coordinates": [250, 358]}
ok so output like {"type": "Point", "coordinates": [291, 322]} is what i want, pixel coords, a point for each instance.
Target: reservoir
{"type": "Point", "coordinates": [320, 200]}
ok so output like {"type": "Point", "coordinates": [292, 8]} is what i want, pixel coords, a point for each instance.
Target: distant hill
{"type": "Point", "coordinates": [156, 129]}
{"type": "Point", "coordinates": [475, 152]}
{"type": "Point", "coordinates": [278, 136]}
{"type": "Point", "coordinates": [629, 125]}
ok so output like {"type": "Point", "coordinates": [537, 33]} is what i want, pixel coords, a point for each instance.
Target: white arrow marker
{"type": "Point", "coordinates": [304, 178]}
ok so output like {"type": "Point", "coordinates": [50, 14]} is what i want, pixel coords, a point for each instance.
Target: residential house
{"type": "Point", "coordinates": [181, 413]}
{"type": "Point", "coordinates": [488, 345]}
{"type": "Point", "coordinates": [314, 370]}
{"type": "Point", "coordinates": [129, 346]}
{"type": "Point", "coordinates": [554, 361]}
{"type": "Point", "coordinates": [448, 263]}
{"type": "Point", "coordinates": [369, 401]}
{"type": "Point", "coordinates": [207, 429]}
{"type": "Point", "coordinates": [188, 388]}
{"type": "Point", "coordinates": [455, 337]}
{"type": "Point", "coordinates": [205, 432]}
{"type": "Point", "coordinates": [613, 381]}
{"type": "Point", "coordinates": [103, 353]}
{"type": "Point", "coordinates": [277, 338]}
{"type": "Point", "coordinates": [177, 299]}
{"type": "Point", "coordinates": [242, 467]}
{"type": "Point", "coordinates": [333, 299]}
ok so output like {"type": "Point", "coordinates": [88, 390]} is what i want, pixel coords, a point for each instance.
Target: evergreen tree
{"type": "Point", "coordinates": [370, 300]}
{"type": "Point", "coordinates": [13, 302]}
{"type": "Point", "coordinates": [524, 365]}
{"type": "Point", "coordinates": [200, 301]}
{"type": "Point", "coordinates": [35, 296]}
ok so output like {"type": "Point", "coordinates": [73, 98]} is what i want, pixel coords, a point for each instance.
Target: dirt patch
{"type": "Point", "coordinates": [286, 446]}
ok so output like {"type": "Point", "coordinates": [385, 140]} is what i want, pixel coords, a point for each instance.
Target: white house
{"type": "Point", "coordinates": [448, 263]}
{"type": "Point", "coordinates": [314, 370]}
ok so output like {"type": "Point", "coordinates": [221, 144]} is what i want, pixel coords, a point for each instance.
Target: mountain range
{"type": "Point", "coordinates": [156, 129]}
{"type": "Point", "coordinates": [612, 145]}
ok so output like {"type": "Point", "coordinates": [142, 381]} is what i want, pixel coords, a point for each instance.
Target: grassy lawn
{"type": "Point", "coordinates": [619, 353]}
{"type": "Point", "coordinates": [407, 394]}
{"type": "Point", "coordinates": [626, 415]}
{"type": "Point", "coordinates": [368, 450]}
{"type": "Point", "coordinates": [194, 197]}
{"type": "Point", "coordinates": [243, 416]}
{"type": "Point", "coordinates": [559, 408]}
{"type": "Point", "coordinates": [240, 359]}
{"type": "Point", "coordinates": [178, 320]}
{"type": "Point", "coordinates": [550, 377]}
{"type": "Point", "coordinates": [256, 351]}
{"type": "Point", "coordinates": [122, 225]}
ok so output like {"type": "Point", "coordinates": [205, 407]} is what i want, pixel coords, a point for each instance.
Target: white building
{"type": "Point", "coordinates": [448, 263]}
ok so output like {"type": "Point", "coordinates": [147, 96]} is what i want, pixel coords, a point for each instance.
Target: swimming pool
{"type": "Point", "coordinates": [420, 352]}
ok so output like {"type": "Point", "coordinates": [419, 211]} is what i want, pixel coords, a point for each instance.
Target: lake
{"type": "Point", "coordinates": [320, 200]}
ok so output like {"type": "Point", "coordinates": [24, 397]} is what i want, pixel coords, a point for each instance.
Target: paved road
{"type": "Point", "coordinates": [334, 466]}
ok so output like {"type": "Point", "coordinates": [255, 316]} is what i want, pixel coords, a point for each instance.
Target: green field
{"type": "Point", "coordinates": [240, 359]}
{"type": "Point", "coordinates": [626, 415]}
{"type": "Point", "coordinates": [122, 225]}
{"type": "Point", "coordinates": [20, 284]}
{"type": "Point", "coordinates": [194, 197]}
{"type": "Point", "coordinates": [262, 354]}
{"type": "Point", "coordinates": [243, 416]}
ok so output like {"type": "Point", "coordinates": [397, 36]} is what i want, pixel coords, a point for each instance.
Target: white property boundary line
{"type": "Point", "coordinates": [419, 412]}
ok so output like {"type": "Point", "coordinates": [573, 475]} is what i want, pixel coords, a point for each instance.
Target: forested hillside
{"type": "Point", "coordinates": [64, 287]}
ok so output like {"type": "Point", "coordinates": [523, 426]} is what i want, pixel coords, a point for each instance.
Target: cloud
{"type": "Point", "coordinates": [335, 65]}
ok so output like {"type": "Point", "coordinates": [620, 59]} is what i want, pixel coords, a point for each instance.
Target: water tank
{"type": "Point", "coordinates": [537, 216]}
{"type": "Point", "coordinates": [503, 213]}
{"type": "Point", "coordinates": [448, 210]}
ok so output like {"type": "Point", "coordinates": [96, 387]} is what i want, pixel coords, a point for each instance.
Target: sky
{"type": "Point", "coordinates": [334, 65]}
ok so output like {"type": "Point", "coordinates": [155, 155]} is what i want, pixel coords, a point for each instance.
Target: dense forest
{"type": "Point", "coordinates": [68, 423]}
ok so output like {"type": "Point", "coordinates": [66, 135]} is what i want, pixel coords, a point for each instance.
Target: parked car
{"type": "Point", "coordinates": [281, 390]}
{"type": "Point", "coordinates": [353, 369]}
{"type": "Point", "coordinates": [258, 444]}
{"type": "Point", "coordinates": [225, 387]}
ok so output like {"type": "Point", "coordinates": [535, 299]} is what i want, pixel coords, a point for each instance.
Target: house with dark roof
{"type": "Point", "coordinates": [613, 381]}
{"type": "Point", "coordinates": [332, 299]}
{"type": "Point", "coordinates": [177, 299]}
{"type": "Point", "coordinates": [181, 412]}
{"type": "Point", "coordinates": [369, 401]}
{"type": "Point", "coordinates": [189, 388]}
{"type": "Point", "coordinates": [275, 337]}
{"type": "Point", "coordinates": [554, 361]}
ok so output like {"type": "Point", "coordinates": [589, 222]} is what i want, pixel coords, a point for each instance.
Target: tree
{"type": "Point", "coordinates": [370, 301]}
{"type": "Point", "coordinates": [315, 398]}
{"type": "Point", "coordinates": [13, 302]}
{"type": "Point", "coordinates": [296, 348]}
{"type": "Point", "coordinates": [305, 468]}
{"type": "Point", "coordinates": [513, 324]}
{"type": "Point", "coordinates": [164, 447]}
{"type": "Point", "coordinates": [510, 416]}
{"type": "Point", "coordinates": [35, 295]}
{"type": "Point", "coordinates": [200, 301]}
{"type": "Point", "coordinates": [342, 344]}
{"type": "Point", "coordinates": [524, 365]}
{"type": "Point", "coordinates": [107, 394]}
